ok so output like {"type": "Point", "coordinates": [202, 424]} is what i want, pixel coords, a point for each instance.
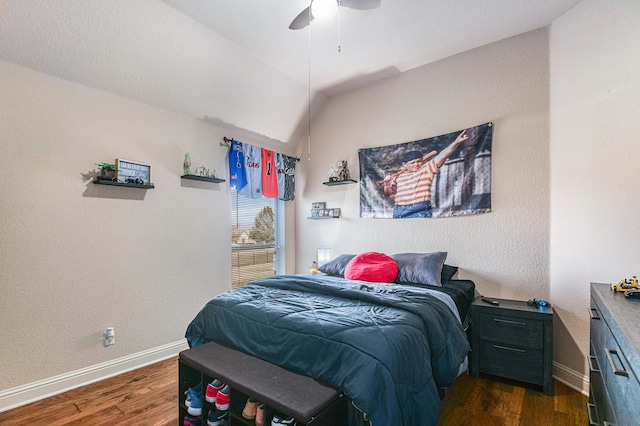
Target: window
{"type": "Point", "coordinates": [257, 238]}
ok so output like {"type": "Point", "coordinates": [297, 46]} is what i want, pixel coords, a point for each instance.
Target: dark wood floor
{"type": "Point", "coordinates": [148, 396]}
{"type": "Point", "coordinates": [497, 402]}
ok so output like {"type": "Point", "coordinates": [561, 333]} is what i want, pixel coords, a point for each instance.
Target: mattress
{"type": "Point", "coordinates": [462, 292]}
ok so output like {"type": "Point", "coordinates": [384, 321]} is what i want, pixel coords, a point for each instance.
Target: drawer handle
{"type": "Point", "coordinates": [510, 322]}
{"type": "Point", "coordinates": [593, 313]}
{"type": "Point", "coordinates": [592, 408]}
{"type": "Point", "coordinates": [612, 363]}
{"type": "Point", "coordinates": [504, 348]}
{"type": "Point", "coordinates": [593, 360]}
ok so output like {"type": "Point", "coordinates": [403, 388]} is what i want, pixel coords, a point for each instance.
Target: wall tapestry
{"type": "Point", "coordinates": [447, 175]}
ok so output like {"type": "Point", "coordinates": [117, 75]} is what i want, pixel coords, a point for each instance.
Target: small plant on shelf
{"type": "Point", "coordinates": [106, 171]}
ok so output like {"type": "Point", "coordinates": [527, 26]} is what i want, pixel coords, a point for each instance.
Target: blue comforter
{"type": "Point", "coordinates": [388, 347]}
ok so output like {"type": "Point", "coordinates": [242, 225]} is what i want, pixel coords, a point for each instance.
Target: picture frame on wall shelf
{"type": "Point", "coordinates": [336, 212]}
{"type": "Point", "coordinates": [133, 172]}
{"type": "Point", "coordinates": [318, 205]}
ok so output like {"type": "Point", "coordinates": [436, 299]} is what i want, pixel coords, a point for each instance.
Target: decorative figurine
{"type": "Point", "coordinates": [625, 285]}
{"type": "Point", "coordinates": [333, 174]}
{"type": "Point", "coordinates": [202, 170]}
{"type": "Point", "coordinates": [313, 269]}
{"type": "Point", "coordinates": [343, 173]}
{"type": "Point", "coordinates": [187, 164]}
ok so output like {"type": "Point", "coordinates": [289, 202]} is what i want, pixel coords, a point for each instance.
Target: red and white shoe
{"type": "Point", "coordinates": [212, 390]}
{"type": "Point", "coordinates": [222, 399]}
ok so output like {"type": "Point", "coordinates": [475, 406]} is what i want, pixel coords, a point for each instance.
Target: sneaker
{"type": "Point", "coordinates": [222, 399]}
{"type": "Point", "coordinates": [191, 421]}
{"type": "Point", "coordinates": [195, 408]}
{"type": "Point", "coordinates": [212, 390]}
{"type": "Point", "coordinates": [188, 399]}
{"type": "Point", "coordinates": [279, 419]}
{"type": "Point", "coordinates": [260, 415]}
{"type": "Point", "coordinates": [191, 394]}
{"type": "Point", "coordinates": [217, 418]}
{"type": "Point", "coordinates": [250, 408]}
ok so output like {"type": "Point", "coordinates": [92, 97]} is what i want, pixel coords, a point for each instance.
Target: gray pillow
{"type": "Point", "coordinates": [420, 268]}
{"type": "Point", "coordinates": [336, 266]}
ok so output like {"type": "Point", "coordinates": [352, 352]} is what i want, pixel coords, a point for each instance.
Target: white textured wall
{"type": "Point", "coordinates": [595, 161]}
{"type": "Point", "coordinates": [506, 252]}
{"type": "Point", "coordinates": [77, 257]}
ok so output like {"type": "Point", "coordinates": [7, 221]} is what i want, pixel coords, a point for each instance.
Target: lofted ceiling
{"type": "Point", "coordinates": [236, 63]}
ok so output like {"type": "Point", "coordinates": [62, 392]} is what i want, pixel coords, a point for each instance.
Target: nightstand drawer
{"type": "Point", "coordinates": [512, 339]}
{"type": "Point", "coordinates": [506, 329]}
{"type": "Point", "coordinates": [513, 362]}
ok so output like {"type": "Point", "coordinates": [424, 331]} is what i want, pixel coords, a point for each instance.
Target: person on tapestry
{"type": "Point", "coordinates": [411, 186]}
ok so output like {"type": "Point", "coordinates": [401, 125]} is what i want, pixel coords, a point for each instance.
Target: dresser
{"type": "Point", "coordinates": [513, 340]}
{"type": "Point", "coordinates": [614, 361]}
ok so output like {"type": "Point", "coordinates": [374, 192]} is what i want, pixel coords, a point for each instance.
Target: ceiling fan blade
{"type": "Point", "coordinates": [361, 4]}
{"type": "Point", "coordinates": [302, 20]}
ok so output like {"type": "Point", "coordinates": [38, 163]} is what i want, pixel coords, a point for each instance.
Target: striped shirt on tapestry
{"type": "Point", "coordinates": [415, 187]}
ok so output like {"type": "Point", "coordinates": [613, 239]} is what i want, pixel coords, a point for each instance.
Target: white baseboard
{"type": "Point", "coordinates": [31, 392]}
{"type": "Point", "coordinates": [571, 378]}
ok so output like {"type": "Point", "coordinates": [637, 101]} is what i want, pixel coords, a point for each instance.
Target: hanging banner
{"type": "Point", "coordinates": [447, 175]}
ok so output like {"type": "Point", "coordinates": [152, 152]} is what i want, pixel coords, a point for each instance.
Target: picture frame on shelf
{"type": "Point", "coordinates": [133, 172]}
{"type": "Point", "coordinates": [336, 212]}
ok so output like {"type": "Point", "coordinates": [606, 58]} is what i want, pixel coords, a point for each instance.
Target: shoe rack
{"type": "Point", "coordinates": [281, 391]}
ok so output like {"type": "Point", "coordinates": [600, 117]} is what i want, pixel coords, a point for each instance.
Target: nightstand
{"type": "Point", "coordinates": [512, 340]}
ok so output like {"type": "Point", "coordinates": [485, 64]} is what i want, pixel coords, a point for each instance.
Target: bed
{"type": "Point", "coordinates": [390, 347]}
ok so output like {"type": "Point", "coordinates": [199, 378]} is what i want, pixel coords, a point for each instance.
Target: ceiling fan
{"type": "Point", "coordinates": [325, 9]}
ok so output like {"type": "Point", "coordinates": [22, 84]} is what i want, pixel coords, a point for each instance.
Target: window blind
{"type": "Point", "coordinates": [256, 238]}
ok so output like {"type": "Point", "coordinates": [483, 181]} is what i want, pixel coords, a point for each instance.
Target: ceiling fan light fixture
{"type": "Point", "coordinates": [324, 9]}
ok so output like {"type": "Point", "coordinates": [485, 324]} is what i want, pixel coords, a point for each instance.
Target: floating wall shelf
{"type": "Point", "coordinates": [202, 178]}
{"type": "Point", "coordinates": [339, 182]}
{"type": "Point", "coordinates": [130, 185]}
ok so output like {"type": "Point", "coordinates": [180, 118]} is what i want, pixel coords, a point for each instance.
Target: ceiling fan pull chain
{"type": "Point", "coordinates": [339, 28]}
{"type": "Point", "coordinates": [309, 96]}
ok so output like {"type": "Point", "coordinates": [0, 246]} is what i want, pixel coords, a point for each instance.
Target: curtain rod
{"type": "Point", "coordinates": [227, 143]}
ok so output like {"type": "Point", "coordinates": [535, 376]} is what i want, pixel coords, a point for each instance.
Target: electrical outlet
{"type": "Point", "coordinates": [109, 336]}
